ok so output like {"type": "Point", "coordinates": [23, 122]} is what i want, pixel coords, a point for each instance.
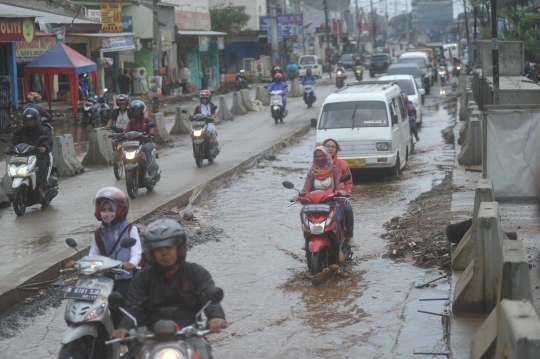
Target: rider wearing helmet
{"type": "Point", "coordinates": [276, 70]}
{"type": "Point", "coordinates": [170, 287]}
{"type": "Point", "coordinates": [339, 67]}
{"type": "Point", "coordinates": [309, 79]}
{"type": "Point", "coordinates": [278, 85]}
{"type": "Point", "coordinates": [121, 115]}
{"type": "Point", "coordinates": [139, 123]}
{"type": "Point", "coordinates": [32, 99]}
{"type": "Point", "coordinates": [30, 133]}
{"type": "Point", "coordinates": [357, 61]}
{"type": "Point", "coordinates": [206, 107]}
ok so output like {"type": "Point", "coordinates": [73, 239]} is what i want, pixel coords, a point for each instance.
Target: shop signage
{"type": "Point", "coordinates": [31, 50]}
{"type": "Point", "coordinates": [279, 32]}
{"type": "Point", "coordinates": [111, 18]}
{"type": "Point", "coordinates": [119, 43]}
{"type": "Point", "coordinates": [17, 30]}
{"type": "Point", "coordinates": [187, 20]}
{"type": "Point", "coordinates": [221, 43]}
{"type": "Point", "coordinates": [203, 43]}
{"type": "Point", "coordinates": [127, 23]}
{"type": "Point", "coordinates": [166, 40]}
{"type": "Point", "coordinates": [291, 24]}
{"type": "Point", "coordinates": [94, 15]}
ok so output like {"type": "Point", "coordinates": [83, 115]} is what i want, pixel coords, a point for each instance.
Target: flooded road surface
{"type": "Point", "coordinates": [273, 311]}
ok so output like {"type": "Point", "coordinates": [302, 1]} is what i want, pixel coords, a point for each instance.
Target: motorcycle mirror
{"type": "Point", "coordinates": [71, 242]}
{"type": "Point", "coordinates": [151, 125]}
{"type": "Point", "coordinates": [184, 111]}
{"type": "Point", "coordinates": [43, 139]}
{"type": "Point", "coordinates": [128, 242]}
{"type": "Point", "coordinates": [215, 295]}
{"type": "Point", "coordinates": [265, 87]}
{"type": "Point", "coordinates": [287, 184]}
{"type": "Point", "coordinates": [116, 300]}
{"type": "Point", "coordinates": [3, 139]}
{"type": "Point", "coordinates": [345, 178]}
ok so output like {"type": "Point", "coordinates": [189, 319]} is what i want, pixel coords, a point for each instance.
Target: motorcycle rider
{"type": "Point", "coordinates": [241, 76]}
{"type": "Point", "coordinates": [139, 124]}
{"type": "Point", "coordinates": [357, 62]}
{"type": "Point", "coordinates": [30, 134]}
{"type": "Point", "coordinates": [411, 111]}
{"type": "Point", "coordinates": [122, 115]}
{"type": "Point", "coordinates": [279, 85]}
{"type": "Point", "coordinates": [309, 79]}
{"type": "Point", "coordinates": [292, 70]}
{"type": "Point", "coordinates": [32, 99]}
{"type": "Point", "coordinates": [206, 107]}
{"type": "Point", "coordinates": [276, 70]}
{"type": "Point", "coordinates": [169, 287]}
{"type": "Point", "coordinates": [339, 67]}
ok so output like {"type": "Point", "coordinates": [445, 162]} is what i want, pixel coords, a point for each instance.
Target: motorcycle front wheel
{"type": "Point", "coordinates": [82, 349]}
{"type": "Point", "coordinates": [19, 200]}
{"type": "Point", "coordinates": [199, 155]}
{"type": "Point", "coordinates": [318, 261]}
{"type": "Point", "coordinates": [118, 165]}
{"type": "Point", "coordinates": [132, 183]}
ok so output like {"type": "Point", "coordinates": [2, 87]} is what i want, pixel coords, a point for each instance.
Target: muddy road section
{"type": "Point", "coordinates": [254, 254]}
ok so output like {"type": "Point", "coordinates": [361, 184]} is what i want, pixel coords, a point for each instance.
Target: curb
{"type": "Point", "coordinates": [13, 296]}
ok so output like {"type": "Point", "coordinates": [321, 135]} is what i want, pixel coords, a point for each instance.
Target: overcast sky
{"type": "Point", "coordinates": [397, 5]}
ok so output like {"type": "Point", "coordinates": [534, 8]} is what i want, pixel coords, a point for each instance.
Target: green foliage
{"type": "Point", "coordinates": [522, 29]}
{"type": "Point", "coordinates": [399, 22]}
{"type": "Point", "coordinates": [228, 18]}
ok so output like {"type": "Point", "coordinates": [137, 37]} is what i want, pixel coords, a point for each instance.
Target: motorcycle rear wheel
{"type": "Point", "coordinates": [118, 165]}
{"type": "Point", "coordinates": [132, 183]}
{"type": "Point", "coordinates": [318, 261]}
{"type": "Point", "coordinates": [19, 200]}
{"type": "Point", "coordinates": [82, 348]}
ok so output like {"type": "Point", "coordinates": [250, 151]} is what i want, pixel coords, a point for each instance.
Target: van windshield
{"type": "Point", "coordinates": [413, 60]}
{"type": "Point", "coordinates": [406, 86]}
{"type": "Point", "coordinates": [414, 72]}
{"type": "Point", "coordinates": [353, 115]}
{"type": "Point", "coordinates": [307, 61]}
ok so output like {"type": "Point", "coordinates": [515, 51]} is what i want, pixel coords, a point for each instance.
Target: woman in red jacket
{"type": "Point", "coordinates": [333, 148]}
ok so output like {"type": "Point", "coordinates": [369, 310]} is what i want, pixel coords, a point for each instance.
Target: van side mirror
{"type": "Point", "coordinates": [394, 120]}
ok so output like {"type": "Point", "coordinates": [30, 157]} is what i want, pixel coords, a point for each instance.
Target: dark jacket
{"type": "Point", "coordinates": [22, 135]}
{"type": "Point", "coordinates": [40, 109]}
{"type": "Point", "coordinates": [140, 126]}
{"type": "Point", "coordinates": [153, 295]}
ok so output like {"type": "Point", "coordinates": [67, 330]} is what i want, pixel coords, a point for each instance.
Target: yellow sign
{"type": "Point", "coordinates": [166, 40]}
{"type": "Point", "coordinates": [17, 30]}
{"type": "Point", "coordinates": [111, 18]}
{"type": "Point", "coordinates": [35, 48]}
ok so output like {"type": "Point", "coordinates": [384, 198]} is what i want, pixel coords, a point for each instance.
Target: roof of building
{"type": "Point", "coordinates": [18, 12]}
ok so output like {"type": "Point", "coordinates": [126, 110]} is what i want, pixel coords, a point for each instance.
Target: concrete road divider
{"type": "Point", "coordinates": [160, 132]}
{"type": "Point", "coordinates": [465, 250]}
{"type": "Point", "coordinates": [64, 156]}
{"type": "Point", "coordinates": [471, 152]}
{"type": "Point", "coordinates": [5, 185]}
{"type": "Point", "coordinates": [519, 331]}
{"type": "Point", "coordinates": [262, 95]}
{"type": "Point", "coordinates": [514, 284]}
{"type": "Point", "coordinates": [223, 113]}
{"type": "Point", "coordinates": [476, 289]}
{"type": "Point", "coordinates": [295, 89]}
{"type": "Point", "coordinates": [181, 125]}
{"type": "Point", "coordinates": [472, 111]}
{"type": "Point", "coordinates": [100, 151]}
{"type": "Point", "coordinates": [237, 108]}
{"type": "Point", "coordinates": [246, 100]}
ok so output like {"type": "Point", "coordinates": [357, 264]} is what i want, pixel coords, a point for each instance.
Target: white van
{"type": "Point", "coordinates": [369, 120]}
{"type": "Point", "coordinates": [310, 62]}
{"type": "Point", "coordinates": [450, 51]}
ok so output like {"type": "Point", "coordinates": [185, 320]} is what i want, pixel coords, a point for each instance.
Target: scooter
{"type": "Point", "coordinates": [90, 113]}
{"type": "Point", "coordinates": [87, 310]}
{"type": "Point", "coordinates": [340, 79]}
{"type": "Point", "coordinates": [83, 87]}
{"type": "Point", "coordinates": [457, 69]}
{"type": "Point", "coordinates": [323, 236]}
{"type": "Point", "coordinates": [443, 75]}
{"type": "Point", "coordinates": [276, 105]}
{"type": "Point", "coordinates": [309, 94]}
{"type": "Point", "coordinates": [104, 108]}
{"type": "Point", "coordinates": [135, 162]}
{"type": "Point", "coordinates": [22, 170]}
{"type": "Point", "coordinates": [241, 81]}
{"type": "Point", "coordinates": [204, 138]}
{"type": "Point", "coordinates": [165, 340]}
{"type": "Point", "coordinates": [358, 72]}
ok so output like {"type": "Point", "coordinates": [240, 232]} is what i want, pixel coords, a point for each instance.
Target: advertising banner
{"type": "Point", "coordinates": [111, 18]}
{"type": "Point", "coordinates": [187, 20]}
{"type": "Point", "coordinates": [27, 51]}
{"type": "Point", "coordinates": [291, 25]}
{"type": "Point", "coordinates": [117, 43]}
{"type": "Point", "coordinates": [17, 30]}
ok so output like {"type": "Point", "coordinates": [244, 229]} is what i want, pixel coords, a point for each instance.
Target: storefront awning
{"type": "Point", "coordinates": [201, 33]}
{"type": "Point", "coordinates": [102, 34]}
{"type": "Point", "coordinates": [14, 11]}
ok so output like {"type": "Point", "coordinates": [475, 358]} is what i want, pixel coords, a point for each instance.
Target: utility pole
{"type": "Point", "coordinates": [274, 33]}
{"type": "Point", "coordinates": [356, 27]}
{"type": "Point", "coordinates": [475, 25]}
{"type": "Point", "coordinates": [407, 19]}
{"type": "Point", "coordinates": [157, 49]}
{"type": "Point", "coordinates": [374, 26]}
{"type": "Point", "coordinates": [466, 21]}
{"type": "Point", "coordinates": [495, 49]}
{"type": "Point", "coordinates": [327, 37]}
{"type": "Point", "coordinates": [386, 5]}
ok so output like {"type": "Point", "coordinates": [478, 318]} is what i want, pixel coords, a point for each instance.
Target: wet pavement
{"type": "Point", "coordinates": [273, 311]}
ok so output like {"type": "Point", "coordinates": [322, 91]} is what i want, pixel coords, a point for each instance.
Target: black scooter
{"type": "Point", "coordinates": [205, 144]}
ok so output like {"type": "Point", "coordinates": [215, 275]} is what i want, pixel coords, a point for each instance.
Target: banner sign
{"type": "Point", "coordinates": [111, 18]}
{"type": "Point", "coordinates": [127, 23]}
{"type": "Point", "coordinates": [31, 50]}
{"type": "Point", "coordinates": [166, 40]}
{"type": "Point", "coordinates": [17, 30]}
{"type": "Point", "coordinates": [221, 43]}
{"type": "Point", "coordinates": [203, 43]}
{"type": "Point", "coordinates": [291, 24]}
{"type": "Point", "coordinates": [119, 43]}
{"type": "Point", "coordinates": [187, 20]}
{"type": "Point", "coordinates": [94, 15]}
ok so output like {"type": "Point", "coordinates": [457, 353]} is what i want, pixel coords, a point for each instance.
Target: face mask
{"type": "Point", "coordinates": [108, 217]}
{"type": "Point", "coordinates": [204, 101]}
{"type": "Point", "coordinates": [321, 162]}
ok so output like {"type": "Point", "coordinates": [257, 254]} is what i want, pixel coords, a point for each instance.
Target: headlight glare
{"type": "Point", "coordinates": [197, 133]}
{"type": "Point", "coordinates": [130, 155]}
{"type": "Point", "coordinates": [89, 267]}
{"type": "Point", "coordinates": [169, 354]}
{"type": "Point", "coordinates": [12, 171]}
{"type": "Point", "coordinates": [22, 171]}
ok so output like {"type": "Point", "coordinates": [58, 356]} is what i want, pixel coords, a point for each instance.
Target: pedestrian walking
{"type": "Point", "coordinates": [125, 83]}
{"type": "Point", "coordinates": [143, 85]}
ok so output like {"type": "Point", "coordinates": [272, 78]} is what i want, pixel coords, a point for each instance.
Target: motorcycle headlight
{"type": "Point", "coordinates": [96, 313]}
{"type": "Point", "coordinates": [169, 354]}
{"type": "Point", "coordinates": [130, 155]}
{"type": "Point", "coordinates": [316, 228]}
{"type": "Point", "coordinates": [197, 133]}
{"type": "Point", "coordinates": [89, 267]}
{"type": "Point", "coordinates": [12, 171]}
{"type": "Point", "coordinates": [22, 171]}
{"type": "Point", "coordinates": [459, 67]}
{"type": "Point", "coordinates": [441, 73]}
{"type": "Point", "coordinates": [383, 146]}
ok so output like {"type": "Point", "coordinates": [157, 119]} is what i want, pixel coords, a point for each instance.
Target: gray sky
{"type": "Point", "coordinates": [397, 5]}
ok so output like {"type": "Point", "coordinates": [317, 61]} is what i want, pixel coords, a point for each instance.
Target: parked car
{"type": "Point", "coordinates": [408, 69]}
{"type": "Point", "coordinates": [310, 62]}
{"type": "Point", "coordinates": [409, 87]}
{"type": "Point", "coordinates": [369, 120]}
{"type": "Point", "coordinates": [379, 64]}
{"type": "Point", "coordinates": [421, 59]}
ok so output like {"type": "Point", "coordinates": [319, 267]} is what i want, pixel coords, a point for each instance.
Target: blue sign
{"type": "Point", "coordinates": [279, 33]}
{"type": "Point", "coordinates": [291, 25]}
{"type": "Point", "coordinates": [117, 43]}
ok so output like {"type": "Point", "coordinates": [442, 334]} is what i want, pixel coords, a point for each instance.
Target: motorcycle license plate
{"type": "Point", "coordinates": [199, 123]}
{"type": "Point", "coordinates": [356, 162]}
{"type": "Point", "coordinates": [82, 293]}
{"type": "Point", "coordinates": [130, 143]}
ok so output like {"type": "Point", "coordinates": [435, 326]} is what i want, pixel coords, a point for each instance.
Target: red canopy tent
{"type": "Point", "coordinates": [61, 60]}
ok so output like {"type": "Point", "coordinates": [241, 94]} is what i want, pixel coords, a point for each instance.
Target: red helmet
{"type": "Point", "coordinates": [115, 195]}
{"type": "Point", "coordinates": [278, 76]}
{"type": "Point", "coordinates": [205, 93]}
{"type": "Point", "coordinates": [33, 97]}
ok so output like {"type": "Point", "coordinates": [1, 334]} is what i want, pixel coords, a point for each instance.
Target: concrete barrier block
{"type": "Point", "coordinates": [237, 108]}
{"type": "Point", "coordinates": [295, 89]}
{"type": "Point", "coordinates": [181, 125]}
{"type": "Point", "coordinates": [471, 152]}
{"type": "Point", "coordinates": [223, 113]}
{"type": "Point", "coordinates": [519, 331]}
{"type": "Point", "coordinates": [160, 132]}
{"type": "Point", "coordinates": [262, 95]}
{"type": "Point", "coordinates": [514, 284]}
{"type": "Point", "coordinates": [100, 151]}
{"type": "Point", "coordinates": [465, 250]}
{"type": "Point", "coordinates": [476, 289]}
{"type": "Point", "coordinates": [64, 156]}
{"type": "Point", "coordinates": [463, 133]}
{"type": "Point", "coordinates": [246, 100]}
{"type": "Point", "coordinates": [5, 184]}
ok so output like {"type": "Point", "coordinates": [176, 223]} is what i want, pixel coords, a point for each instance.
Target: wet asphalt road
{"type": "Point", "coordinates": [272, 310]}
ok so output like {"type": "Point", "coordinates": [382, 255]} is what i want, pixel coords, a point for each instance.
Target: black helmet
{"type": "Point", "coordinates": [164, 233]}
{"type": "Point", "coordinates": [30, 114]}
{"type": "Point", "coordinates": [122, 99]}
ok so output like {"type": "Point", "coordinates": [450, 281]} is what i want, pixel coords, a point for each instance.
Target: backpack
{"type": "Point", "coordinates": [103, 251]}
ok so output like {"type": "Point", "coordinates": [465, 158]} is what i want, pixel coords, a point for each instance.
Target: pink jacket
{"type": "Point", "coordinates": [308, 185]}
{"type": "Point", "coordinates": [338, 162]}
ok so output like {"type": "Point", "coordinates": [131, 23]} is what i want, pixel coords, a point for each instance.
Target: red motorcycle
{"type": "Point", "coordinates": [322, 234]}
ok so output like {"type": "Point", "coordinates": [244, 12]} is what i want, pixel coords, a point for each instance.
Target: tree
{"type": "Point", "coordinates": [399, 22]}
{"type": "Point", "coordinates": [522, 29]}
{"type": "Point", "coordinates": [228, 18]}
